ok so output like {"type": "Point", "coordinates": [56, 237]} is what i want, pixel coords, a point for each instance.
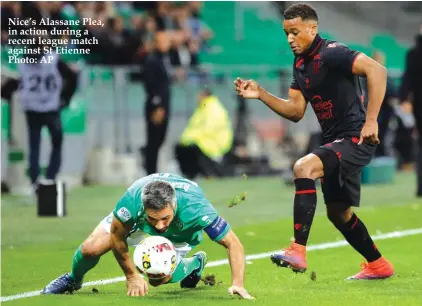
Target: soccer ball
{"type": "Point", "coordinates": [155, 256]}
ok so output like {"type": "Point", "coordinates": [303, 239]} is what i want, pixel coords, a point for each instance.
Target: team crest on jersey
{"type": "Point", "coordinates": [179, 224]}
{"type": "Point", "coordinates": [317, 66]}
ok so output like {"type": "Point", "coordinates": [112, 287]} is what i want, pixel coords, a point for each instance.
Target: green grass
{"type": "Point", "coordinates": [37, 250]}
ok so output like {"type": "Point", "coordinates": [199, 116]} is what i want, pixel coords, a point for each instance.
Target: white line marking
{"type": "Point", "coordinates": [322, 246]}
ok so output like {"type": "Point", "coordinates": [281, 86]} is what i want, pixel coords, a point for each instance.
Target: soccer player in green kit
{"type": "Point", "coordinates": [162, 205]}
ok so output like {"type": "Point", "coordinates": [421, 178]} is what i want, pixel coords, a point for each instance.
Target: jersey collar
{"type": "Point", "coordinates": [313, 49]}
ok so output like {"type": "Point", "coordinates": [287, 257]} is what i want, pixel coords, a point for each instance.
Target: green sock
{"type": "Point", "coordinates": [81, 265]}
{"type": "Point", "coordinates": [184, 268]}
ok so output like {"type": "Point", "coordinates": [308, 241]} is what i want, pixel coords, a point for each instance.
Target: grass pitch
{"type": "Point", "coordinates": [37, 250]}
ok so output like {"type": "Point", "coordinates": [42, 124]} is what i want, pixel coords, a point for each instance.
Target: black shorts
{"type": "Point", "coordinates": [343, 160]}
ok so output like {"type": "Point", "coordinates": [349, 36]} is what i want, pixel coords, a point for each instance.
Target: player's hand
{"type": "Point", "coordinates": [247, 89]}
{"type": "Point", "coordinates": [240, 291]}
{"type": "Point", "coordinates": [369, 133]}
{"type": "Point", "coordinates": [136, 286]}
{"type": "Point", "coordinates": [157, 116]}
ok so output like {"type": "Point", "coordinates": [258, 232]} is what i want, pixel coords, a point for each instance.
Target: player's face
{"type": "Point", "coordinates": [300, 34]}
{"type": "Point", "coordinates": [160, 219]}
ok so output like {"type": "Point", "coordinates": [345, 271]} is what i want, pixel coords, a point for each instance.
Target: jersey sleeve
{"type": "Point", "coordinates": [213, 224]}
{"type": "Point", "coordinates": [125, 210]}
{"type": "Point", "coordinates": [339, 56]}
{"type": "Point", "coordinates": [294, 85]}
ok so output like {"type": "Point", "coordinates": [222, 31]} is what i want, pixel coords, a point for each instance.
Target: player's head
{"type": "Point", "coordinates": [162, 42]}
{"type": "Point", "coordinates": [301, 26]}
{"type": "Point", "coordinates": [159, 200]}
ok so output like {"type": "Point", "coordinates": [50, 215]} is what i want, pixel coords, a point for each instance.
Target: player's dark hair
{"type": "Point", "coordinates": [305, 11]}
{"type": "Point", "coordinates": [157, 195]}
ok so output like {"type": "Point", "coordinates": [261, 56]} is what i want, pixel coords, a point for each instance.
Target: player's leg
{"type": "Point", "coordinates": [341, 192]}
{"type": "Point", "coordinates": [356, 233]}
{"type": "Point", "coordinates": [85, 258]}
{"type": "Point", "coordinates": [54, 125]}
{"type": "Point", "coordinates": [89, 253]}
{"type": "Point", "coordinates": [305, 170]}
{"type": "Point", "coordinates": [188, 272]}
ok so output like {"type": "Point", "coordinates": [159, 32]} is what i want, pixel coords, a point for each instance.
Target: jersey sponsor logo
{"type": "Point", "coordinates": [323, 109]}
{"type": "Point", "coordinates": [332, 45]}
{"type": "Point", "coordinates": [124, 214]}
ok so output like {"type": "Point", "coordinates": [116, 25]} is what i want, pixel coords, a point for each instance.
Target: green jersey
{"type": "Point", "coordinates": [193, 211]}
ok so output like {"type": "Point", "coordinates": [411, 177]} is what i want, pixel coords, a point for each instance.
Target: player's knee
{"type": "Point", "coordinates": [303, 169]}
{"type": "Point", "coordinates": [339, 216]}
{"type": "Point", "coordinates": [90, 249]}
{"type": "Point", "coordinates": [309, 166]}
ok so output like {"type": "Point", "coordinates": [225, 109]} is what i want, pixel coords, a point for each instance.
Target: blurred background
{"type": "Point", "coordinates": [138, 104]}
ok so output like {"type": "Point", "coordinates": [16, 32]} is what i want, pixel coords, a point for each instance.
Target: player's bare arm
{"type": "Point", "coordinates": [237, 263]}
{"type": "Point", "coordinates": [292, 109]}
{"type": "Point", "coordinates": [136, 285]}
{"type": "Point", "coordinates": [377, 84]}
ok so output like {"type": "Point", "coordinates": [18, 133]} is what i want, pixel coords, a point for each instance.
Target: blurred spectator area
{"type": "Point", "coordinates": [223, 36]}
{"type": "Point", "coordinates": [212, 43]}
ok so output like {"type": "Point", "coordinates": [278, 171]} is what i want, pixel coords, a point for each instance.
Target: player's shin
{"type": "Point", "coordinates": [304, 209]}
{"type": "Point", "coordinates": [358, 237]}
{"type": "Point", "coordinates": [82, 264]}
{"type": "Point", "coordinates": [185, 267]}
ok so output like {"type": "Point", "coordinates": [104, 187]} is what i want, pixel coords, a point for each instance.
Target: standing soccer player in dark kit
{"type": "Point", "coordinates": [325, 73]}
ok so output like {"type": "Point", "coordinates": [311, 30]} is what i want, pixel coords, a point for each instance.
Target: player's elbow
{"type": "Point", "coordinates": [295, 119]}
{"type": "Point", "coordinates": [382, 72]}
{"type": "Point", "coordinates": [297, 116]}
{"type": "Point", "coordinates": [377, 72]}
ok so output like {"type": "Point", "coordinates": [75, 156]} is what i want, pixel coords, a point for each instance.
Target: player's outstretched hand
{"type": "Point", "coordinates": [136, 286]}
{"type": "Point", "coordinates": [248, 89]}
{"type": "Point", "coordinates": [369, 133]}
{"type": "Point", "coordinates": [240, 291]}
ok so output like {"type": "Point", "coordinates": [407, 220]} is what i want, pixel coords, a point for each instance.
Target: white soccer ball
{"type": "Point", "coordinates": [155, 256]}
